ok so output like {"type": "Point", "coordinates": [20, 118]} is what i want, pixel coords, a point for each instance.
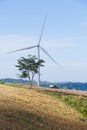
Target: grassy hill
{"type": "Point", "coordinates": [22, 108]}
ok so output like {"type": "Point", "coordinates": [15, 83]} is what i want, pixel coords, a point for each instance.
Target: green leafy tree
{"type": "Point", "coordinates": [28, 67]}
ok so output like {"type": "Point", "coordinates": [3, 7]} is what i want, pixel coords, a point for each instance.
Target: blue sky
{"type": "Point", "coordinates": [64, 37]}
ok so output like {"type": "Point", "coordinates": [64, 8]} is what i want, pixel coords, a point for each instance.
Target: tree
{"type": "Point", "coordinates": [29, 67]}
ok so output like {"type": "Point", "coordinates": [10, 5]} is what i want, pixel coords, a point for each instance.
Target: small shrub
{"type": "Point", "coordinates": [2, 82]}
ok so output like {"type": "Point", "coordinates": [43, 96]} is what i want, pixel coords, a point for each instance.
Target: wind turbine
{"type": "Point", "coordinates": [38, 49]}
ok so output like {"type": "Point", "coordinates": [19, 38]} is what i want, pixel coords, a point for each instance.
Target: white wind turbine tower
{"type": "Point", "coordinates": [38, 49]}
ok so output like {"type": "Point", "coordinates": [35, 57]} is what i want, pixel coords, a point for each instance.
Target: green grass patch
{"type": "Point", "coordinates": [77, 102]}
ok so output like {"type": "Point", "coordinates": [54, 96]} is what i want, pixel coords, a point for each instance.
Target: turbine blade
{"type": "Point", "coordinates": [50, 57]}
{"type": "Point", "coordinates": [22, 49]}
{"type": "Point", "coordinates": [41, 34]}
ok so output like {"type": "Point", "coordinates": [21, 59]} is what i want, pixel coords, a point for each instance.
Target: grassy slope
{"type": "Point", "coordinates": [25, 109]}
{"type": "Point", "coordinates": [74, 98]}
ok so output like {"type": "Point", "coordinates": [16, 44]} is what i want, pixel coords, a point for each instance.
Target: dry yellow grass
{"type": "Point", "coordinates": [24, 109]}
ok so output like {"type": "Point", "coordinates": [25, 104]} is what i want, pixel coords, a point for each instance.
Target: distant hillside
{"type": "Point", "coordinates": [11, 80]}
{"type": "Point", "coordinates": [22, 108]}
{"type": "Point", "coordinates": [16, 81]}
{"type": "Point", "coordinates": [67, 85]}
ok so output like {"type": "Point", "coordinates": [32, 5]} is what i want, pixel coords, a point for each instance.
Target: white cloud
{"type": "Point", "coordinates": [75, 63]}
{"type": "Point", "coordinates": [72, 38]}
{"type": "Point", "coordinates": [13, 42]}
{"type": "Point", "coordinates": [84, 24]}
{"type": "Point", "coordinates": [56, 45]}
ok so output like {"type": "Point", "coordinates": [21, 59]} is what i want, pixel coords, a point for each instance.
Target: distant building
{"type": "Point", "coordinates": [52, 86]}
